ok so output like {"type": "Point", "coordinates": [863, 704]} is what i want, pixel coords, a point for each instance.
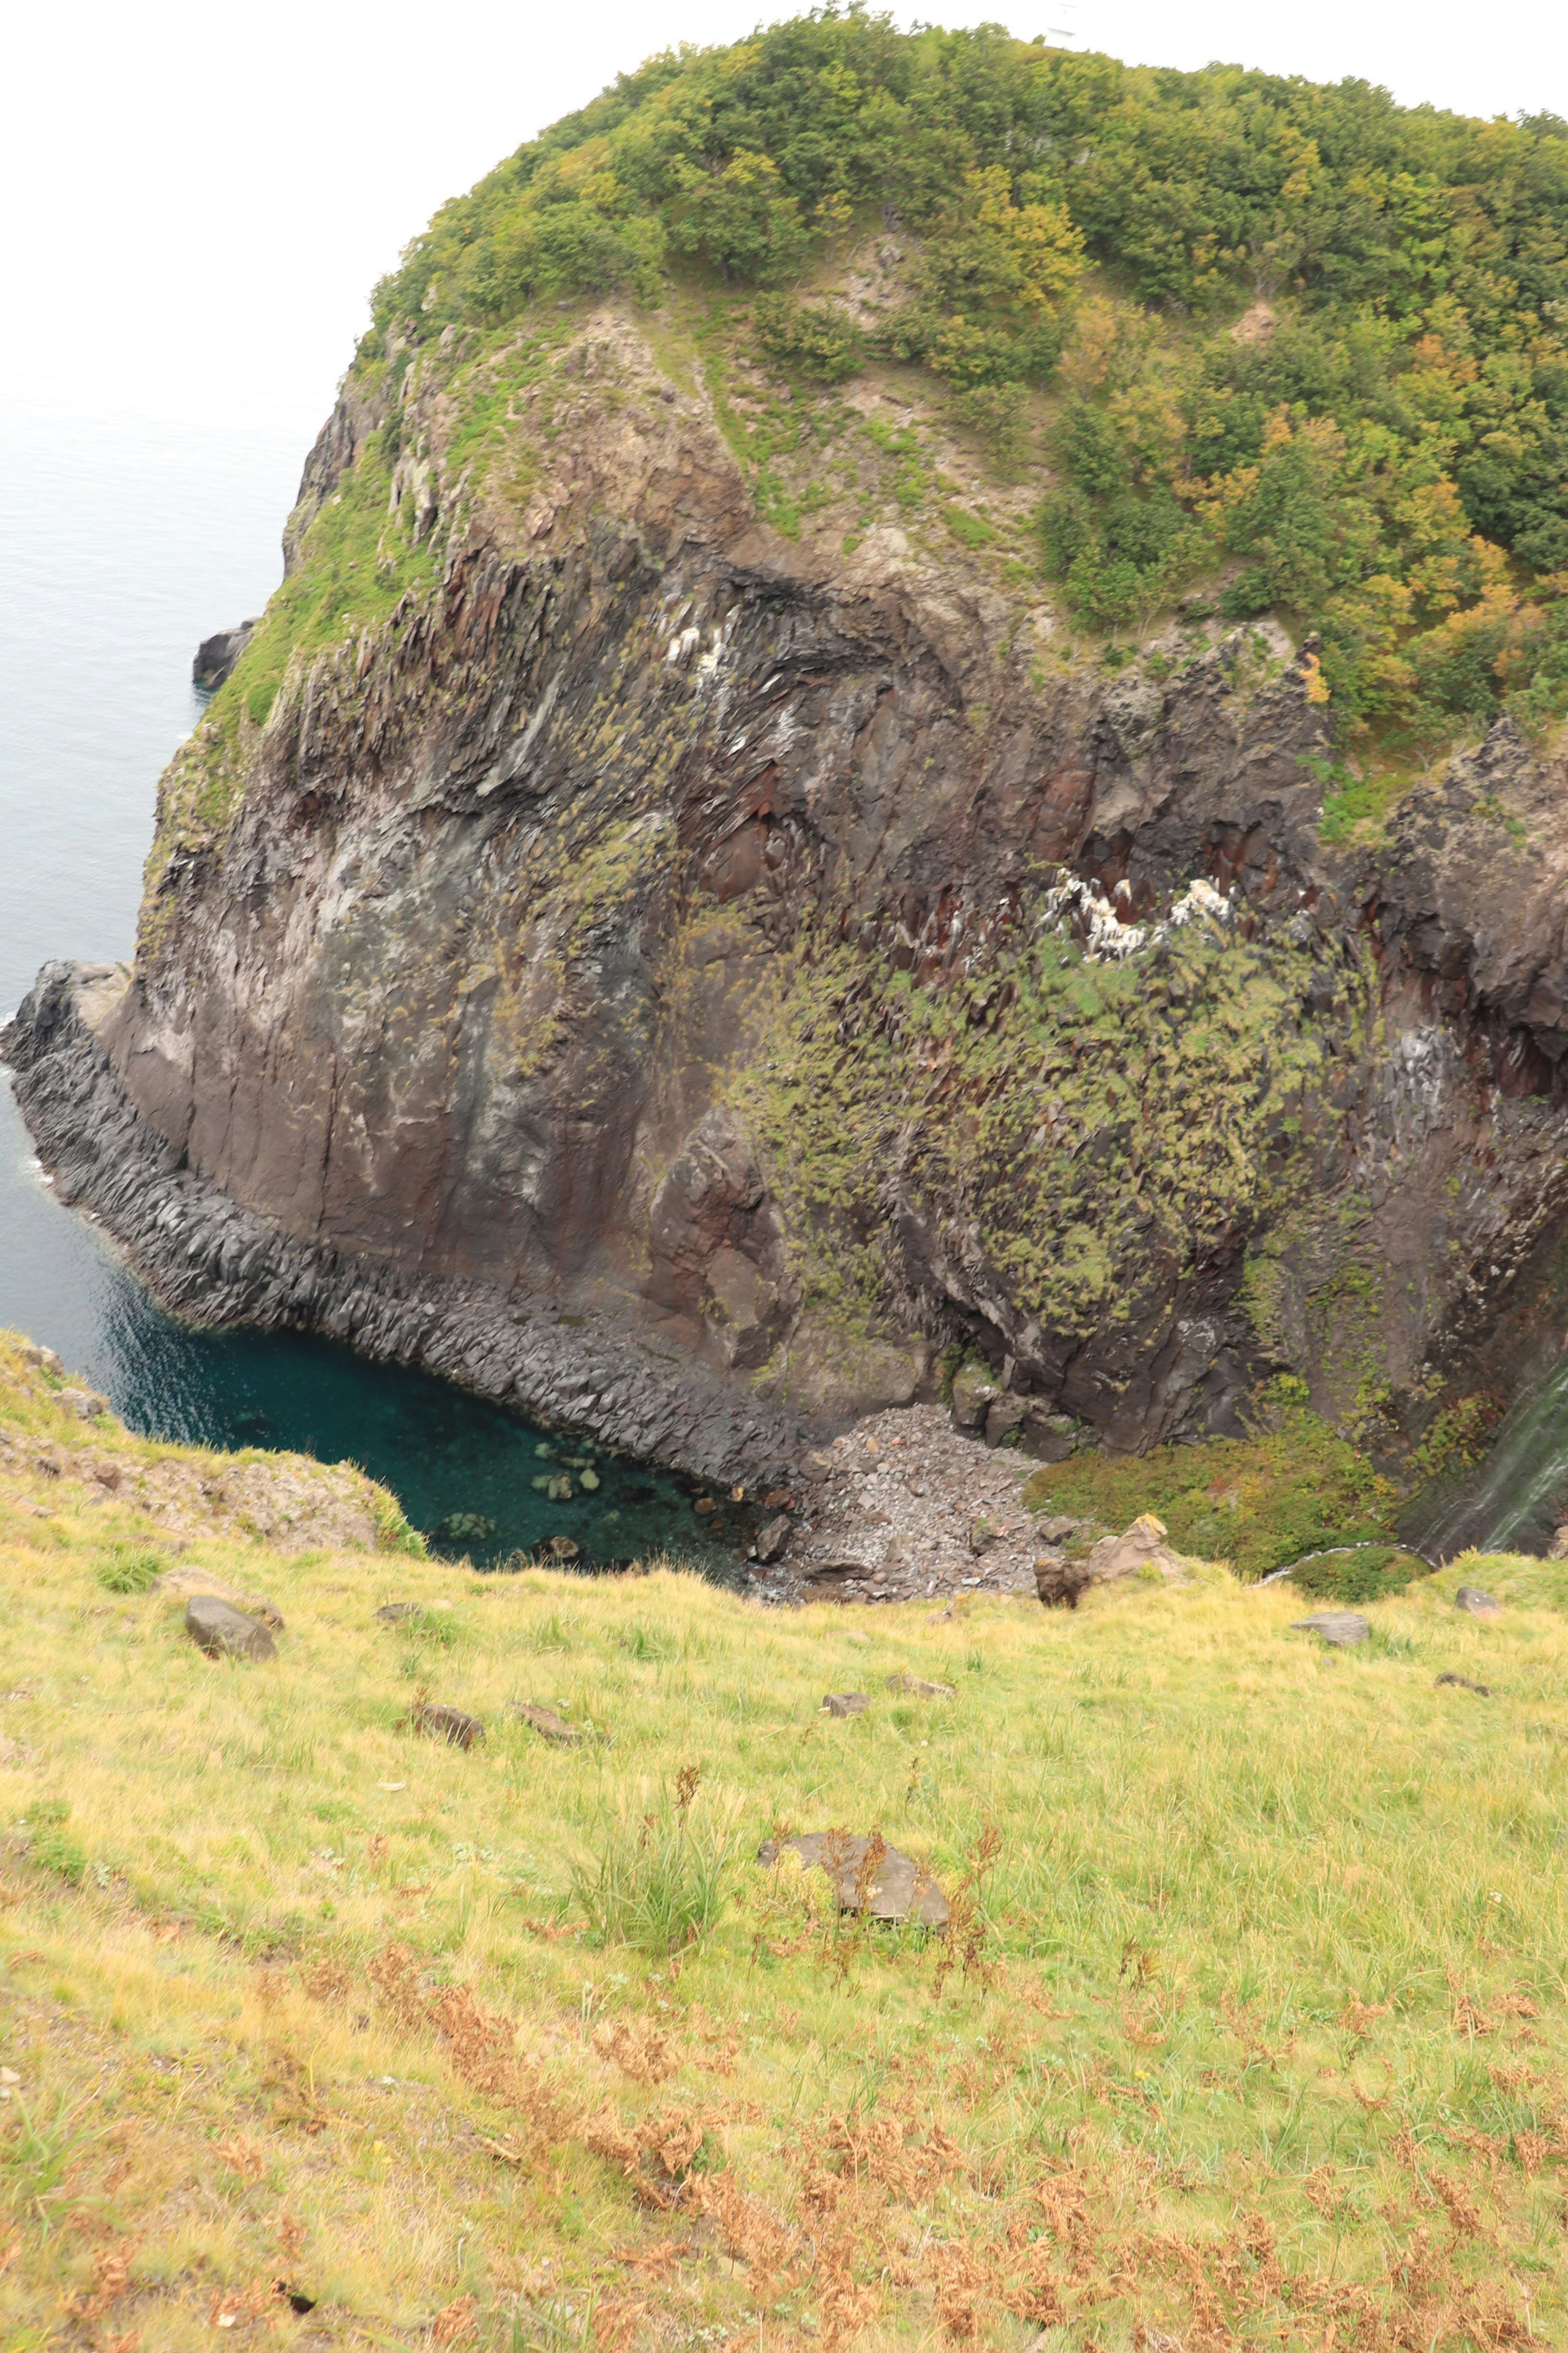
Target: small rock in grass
{"type": "Point", "coordinates": [1463, 1683]}
{"type": "Point", "coordinates": [844, 1703]}
{"type": "Point", "coordinates": [177, 1582]}
{"type": "Point", "coordinates": [452, 1725]}
{"type": "Point", "coordinates": [83, 1403]}
{"type": "Point", "coordinates": [396, 1613]}
{"type": "Point", "coordinates": [773, 1540]}
{"type": "Point", "coordinates": [915, 1687]}
{"type": "Point", "coordinates": [225, 1633]}
{"type": "Point", "coordinates": [1341, 1628]}
{"type": "Point", "coordinates": [891, 1887]}
{"type": "Point", "coordinates": [1475, 1603]}
{"type": "Point", "coordinates": [546, 1723]}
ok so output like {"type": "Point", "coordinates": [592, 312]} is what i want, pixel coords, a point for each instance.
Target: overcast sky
{"type": "Point", "coordinates": [200, 198]}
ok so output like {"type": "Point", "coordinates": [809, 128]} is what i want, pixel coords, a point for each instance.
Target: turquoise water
{"type": "Point", "coordinates": [121, 546]}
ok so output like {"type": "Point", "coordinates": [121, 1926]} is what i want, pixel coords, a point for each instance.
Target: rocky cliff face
{"type": "Point", "coordinates": [702, 950]}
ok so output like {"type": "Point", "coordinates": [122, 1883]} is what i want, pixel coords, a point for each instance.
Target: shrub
{"type": "Point", "coordinates": [812, 339]}
{"type": "Point", "coordinates": [658, 1884]}
{"type": "Point", "coordinates": [130, 1570]}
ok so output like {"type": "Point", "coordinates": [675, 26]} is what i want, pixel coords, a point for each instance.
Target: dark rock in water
{"type": "Point", "coordinates": [452, 1725]}
{"type": "Point", "coordinates": [1341, 1628]}
{"type": "Point", "coordinates": [844, 1703]}
{"type": "Point", "coordinates": [890, 1886]}
{"type": "Point", "coordinates": [546, 1723]}
{"type": "Point", "coordinates": [217, 656]}
{"type": "Point", "coordinates": [225, 1633]}
{"type": "Point", "coordinates": [1475, 1603]}
{"type": "Point", "coordinates": [1463, 1683]}
{"type": "Point", "coordinates": [464, 1527]}
{"type": "Point", "coordinates": [1059, 1581]}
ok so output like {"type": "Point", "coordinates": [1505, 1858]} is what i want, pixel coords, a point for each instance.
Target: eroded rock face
{"type": "Point", "coordinates": [495, 1018]}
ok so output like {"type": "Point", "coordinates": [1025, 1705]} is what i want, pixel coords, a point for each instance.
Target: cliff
{"type": "Point", "coordinates": [672, 919]}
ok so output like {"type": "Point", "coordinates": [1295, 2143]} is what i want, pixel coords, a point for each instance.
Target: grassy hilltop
{"type": "Point", "coordinates": [1264, 344]}
{"type": "Point", "coordinates": [1250, 2028]}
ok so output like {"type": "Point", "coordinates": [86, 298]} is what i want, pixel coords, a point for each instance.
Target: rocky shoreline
{"type": "Point", "coordinates": [213, 1263]}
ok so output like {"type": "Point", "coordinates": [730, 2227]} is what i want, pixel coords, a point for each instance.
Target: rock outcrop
{"type": "Point", "coordinates": [217, 656]}
{"type": "Point", "coordinates": [686, 968]}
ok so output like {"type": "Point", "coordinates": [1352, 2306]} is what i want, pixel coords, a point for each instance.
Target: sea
{"type": "Point", "coordinates": [123, 542]}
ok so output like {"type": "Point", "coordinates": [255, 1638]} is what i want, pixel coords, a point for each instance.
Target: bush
{"type": "Point", "coordinates": [812, 339]}
{"type": "Point", "coordinates": [1371, 1573]}
{"type": "Point", "coordinates": [127, 1570]}
{"type": "Point", "coordinates": [1258, 1502]}
{"type": "Point", "coordinates": [659, 1884]}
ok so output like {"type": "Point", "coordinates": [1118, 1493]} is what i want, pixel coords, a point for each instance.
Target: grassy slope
{"type": "Point", "coordinates": [1169, 2091]}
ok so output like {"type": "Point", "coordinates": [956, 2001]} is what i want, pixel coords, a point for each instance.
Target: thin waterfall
{"type": "Point", "coordinates": [1515, 1500]}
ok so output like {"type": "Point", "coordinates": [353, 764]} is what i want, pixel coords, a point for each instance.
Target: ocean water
{"type": "Point", "coordinates": [124, 544]}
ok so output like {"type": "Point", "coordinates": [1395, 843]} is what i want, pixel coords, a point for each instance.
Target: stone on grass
{"type": "Point", "coordinates": [1341, 1628]}
{"type": "Point", "coordinates": [396, 1613]}
{"type": "Point", "coordinates": [176, 1583]}
{"type": "Point", "coordinates": [1463, 1683]}
{"type": "Point", "coordinates": [453, 1724]}
{"type": "Point", "coordinates": [892, 1886]}
{"type": "Point", "coordinates": [546, 1723]}
{"type": "Point", "coordinates": [1059, 1581]}
{"type": "Point", "coordinates": [83, 1403]}
{"type": "Point", "coordinates": [844, 1703]}
{"type": "Point", "coordinates": [772, 1540]}
{"type": "Point", "coordinates": [225, 1633]}
{"type": "Point", "coordinates": [1475, 1603]}
{"type": "Point", "coordinates": [915, 1687]}
{"type": "Point", "coordinates": [1141, 1546]}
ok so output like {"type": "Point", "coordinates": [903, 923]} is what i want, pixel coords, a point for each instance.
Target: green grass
{"type": "Point", "coordinates": [1252, 2012]}
{"type": "Point", "coordinates": [1256, 1503]}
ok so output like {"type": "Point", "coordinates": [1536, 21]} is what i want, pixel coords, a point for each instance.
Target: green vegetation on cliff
{"type": "Point", "coordinates": [1319, 360]}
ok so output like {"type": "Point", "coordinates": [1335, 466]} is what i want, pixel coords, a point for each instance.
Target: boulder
{"type": "Point", "coordinates": [1341, 1628]}
{"type": "Point", "coordinates": [546, 1723]}
{"type": "Point", "coordinates": [974, 1394]}
{"type": "Point", "coordinates": [773, 1540]}
{"type": "Point", "coordinates": [1475, 1603]}
{"type": "Point", "coordinates": [983, 1535]}
{"type": "Point", "coordinates": [916, 1687]}
{"type": "Point", "coordinates": [225, 1633]}
{"type": "Point", "coordinates": [1002, 1416]}
{"type": "Point", "coordinates": [844, 1703]}
{"type": "Point", "coordinates": [894, 1887]}
{"type": "Point", "coordinates": [1046, 1437]}
{"type": "Point", "coordinates": [1141, 1546]}
{"type": "Point", "coordinates": [1059, 1581]}
{"type": "Point", "coordinates": [83, 1403]}
{"type": "Point", "coordinates": [217, 656]}
{"type": "Point", "coordinates": [175, 1584]}
{"type": "Point", "coordinates": [452, 1725]}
